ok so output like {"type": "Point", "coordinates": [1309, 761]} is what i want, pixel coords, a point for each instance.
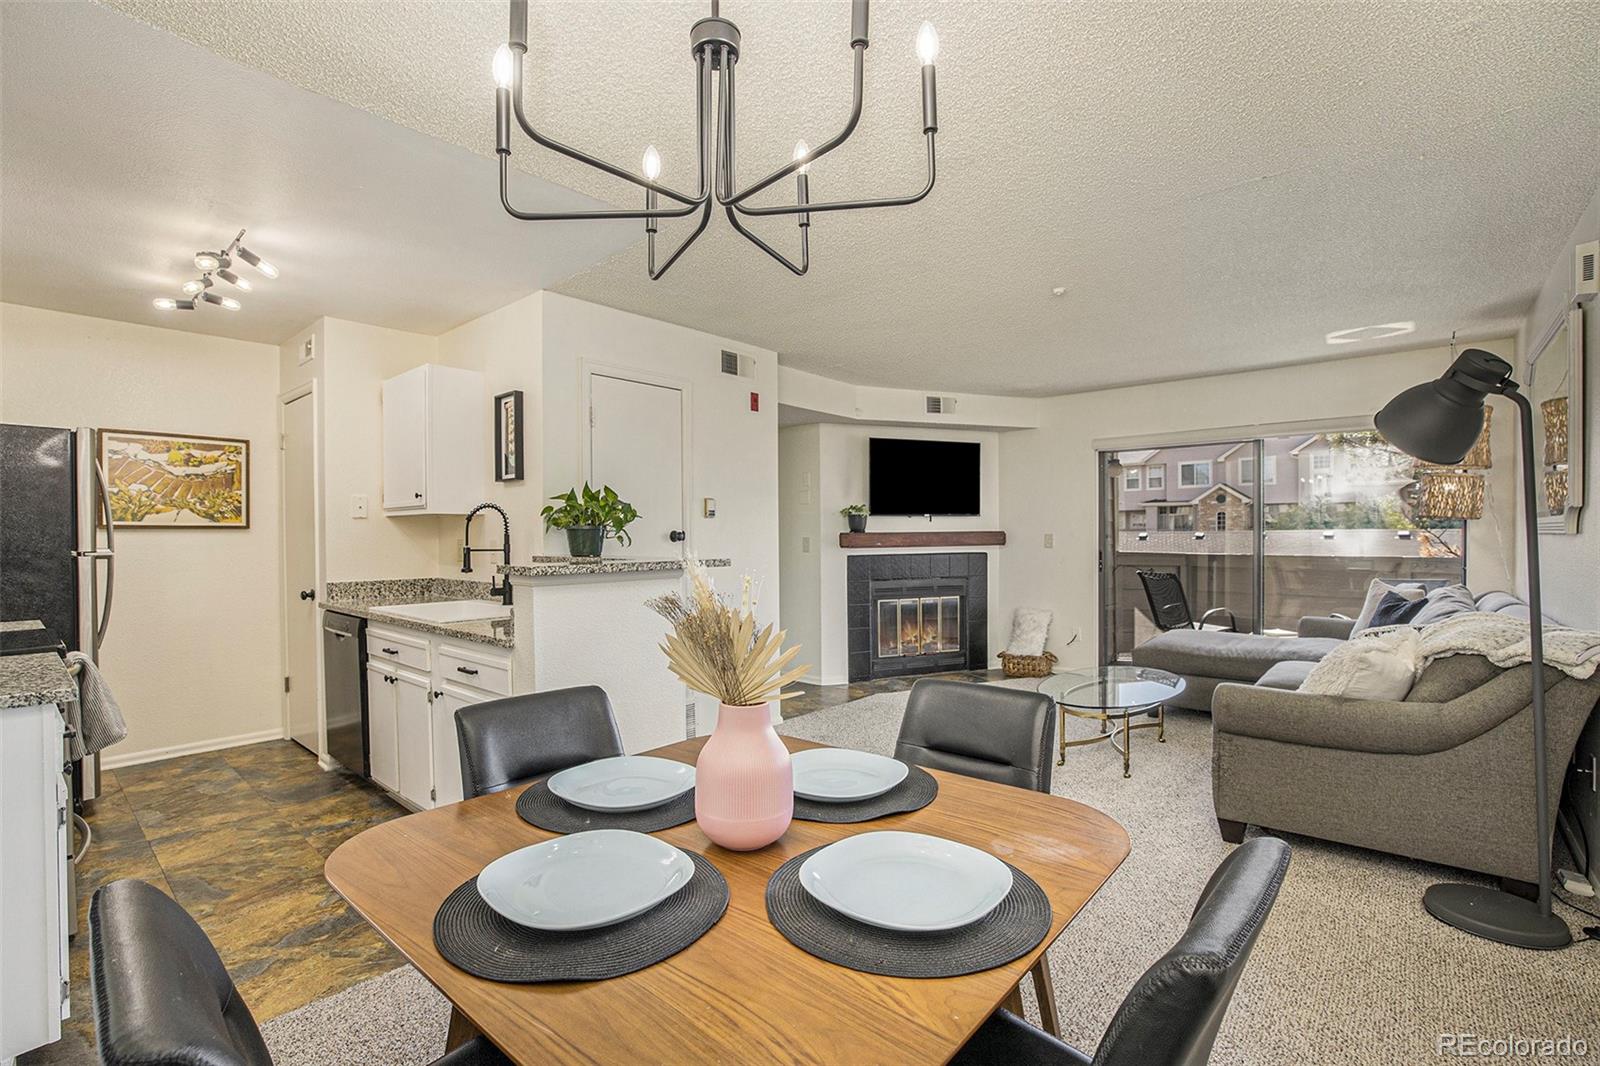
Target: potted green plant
{"type": "Point", "coordinates": [589, 517]}
{"type": "Point", "coordinates": [856, 515]}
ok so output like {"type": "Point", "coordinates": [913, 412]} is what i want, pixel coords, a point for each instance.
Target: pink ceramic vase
{"type": "Point", "coordinates": [743, 782]}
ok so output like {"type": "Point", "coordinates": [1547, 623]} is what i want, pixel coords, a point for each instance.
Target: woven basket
{"type": "Point", "coordinates": [1027, 665]}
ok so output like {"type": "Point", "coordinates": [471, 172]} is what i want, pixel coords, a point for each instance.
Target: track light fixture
{"type": "Point", "coordinates": [198, 290]}
{"type": "Point", "coordinates": [714, 43]}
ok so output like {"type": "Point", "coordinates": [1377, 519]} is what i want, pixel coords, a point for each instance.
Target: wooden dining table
{"type": "Point", "coordinates": [741, 993]}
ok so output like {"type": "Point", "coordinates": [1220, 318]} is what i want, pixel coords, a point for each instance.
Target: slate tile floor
{"type": "Point", "coordinates": [239, 838]}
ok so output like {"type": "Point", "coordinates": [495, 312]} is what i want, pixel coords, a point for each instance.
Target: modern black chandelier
{"type": "Point", "coordinates": [197, 292]}
{"type": "Point", "coordinates": [714, 43]}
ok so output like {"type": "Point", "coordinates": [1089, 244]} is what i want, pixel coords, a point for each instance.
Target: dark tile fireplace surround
{"type": "Point", "coordinates": [917, 613]}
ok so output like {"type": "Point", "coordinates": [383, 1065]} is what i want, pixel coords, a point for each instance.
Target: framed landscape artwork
{"type": "Point", "coordinates": [167, 480]}
{"type": "Point", "coordinates": [508, 433]}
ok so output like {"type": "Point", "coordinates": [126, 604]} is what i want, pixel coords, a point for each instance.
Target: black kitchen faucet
{"type": "Point", "coordinates": [504, 589]}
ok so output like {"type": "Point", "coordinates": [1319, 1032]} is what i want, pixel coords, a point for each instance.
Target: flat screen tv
{"type": "Point", "coordinates": [922, 477]}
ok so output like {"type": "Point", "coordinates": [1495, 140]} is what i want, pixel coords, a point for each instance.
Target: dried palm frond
{"type": "Point", "coordinates": [715, 648]}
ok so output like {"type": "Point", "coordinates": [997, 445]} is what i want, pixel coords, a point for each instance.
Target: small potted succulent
{"type": "Point", "coordinates": [856, 515]}
{"type": "Point", "coordinates": [589, 517]}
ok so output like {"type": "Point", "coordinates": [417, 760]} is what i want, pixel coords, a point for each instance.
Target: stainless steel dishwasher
{"type": "Point", "coordinates": [344, 666]}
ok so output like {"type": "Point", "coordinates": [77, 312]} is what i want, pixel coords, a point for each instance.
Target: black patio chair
{"type": "Point", "coordinates": [1169, 607]}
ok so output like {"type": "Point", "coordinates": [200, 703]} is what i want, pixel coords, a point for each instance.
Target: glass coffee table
{"type": "Point", "coordinates": [1109, 693]}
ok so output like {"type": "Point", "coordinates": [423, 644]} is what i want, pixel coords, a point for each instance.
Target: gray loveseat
{"type": "Point", "coordinates": [1445, 775]}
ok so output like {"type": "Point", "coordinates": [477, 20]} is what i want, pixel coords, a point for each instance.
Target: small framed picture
{"type": "Point", "coordinates": [508, 436]}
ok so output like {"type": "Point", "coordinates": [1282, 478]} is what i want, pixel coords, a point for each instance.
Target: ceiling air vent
{"type": "Point", "coordinates": [739, 366]}
{"type": "Point", "coordinates": [941, 405]}
{"type": "Point", "coordinates": [1586, 268]}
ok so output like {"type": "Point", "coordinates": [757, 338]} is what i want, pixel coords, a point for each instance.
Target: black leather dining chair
{"type": "Point", "coordinates": [1174, 1010]}
{"type": "Point", "coordinates": [984, 731]}
{"type": "Point", "coordinates": [161, 994]}
{"type": "Point", "coordinates": [507, 741]}
{"type": "Point", "coordinates": [988, 732]}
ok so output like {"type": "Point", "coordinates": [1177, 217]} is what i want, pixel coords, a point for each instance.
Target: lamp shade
{"type": "Point", "coordinates": [1439, 421]}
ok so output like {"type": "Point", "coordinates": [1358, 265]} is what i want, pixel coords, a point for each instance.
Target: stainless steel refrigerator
{"type": "Point", "coordinates": [57, 557]}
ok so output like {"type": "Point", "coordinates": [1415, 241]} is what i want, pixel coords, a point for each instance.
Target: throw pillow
{"type": "Point", "coordinates": [1030, 628]}
{"type": "Point", "coordinates": [1381, 667]}
{"type": "Point", "coordinates": [1376, 591]}
{"type": "Point", "coordinates": [1446, 602]}
{"type": "Point", "coordinates": [1395, 610]}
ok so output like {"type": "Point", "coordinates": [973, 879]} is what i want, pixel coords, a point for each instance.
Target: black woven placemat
{"type": "Point", "coordinates": [914, 793]}
{"type": "Point", "coordinates": [1009, 931]}
{"type": "Point", "coordinates": [473, 937]}
{"type": "Point", "coordinates": [539, 806]}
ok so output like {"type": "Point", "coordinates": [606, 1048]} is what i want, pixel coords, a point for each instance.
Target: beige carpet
{"type": "Point", "coordinates": [1349, 968]}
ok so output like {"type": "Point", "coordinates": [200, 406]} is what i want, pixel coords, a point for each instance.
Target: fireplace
{"type": "Point", "coordinates": [917, 613]}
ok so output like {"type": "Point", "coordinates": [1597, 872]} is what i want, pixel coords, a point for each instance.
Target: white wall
{"type": "Point", "coordinates": [800, 537]}
{"type": "Point", "coordinates": [193, 651]}
{"type": "Point", "coordinates": [507, 347]}
{"type": "Point", "coordinates": [836, 457]}
{"type": "Point", "coordinates": [1570, 564]}
{"type": "Point", "coordinates": [865, 403]}
{"type": "Point", "coordinates": [1049, 481]}
{"type": "Point", "coordinates": [734, 451]}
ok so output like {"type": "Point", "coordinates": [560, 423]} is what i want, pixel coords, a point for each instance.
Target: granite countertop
{"type": "Point", "coordinates": [367, 599]}
{"type": "Point", "coordinates": [567, 565]}
{"type": "Point", "coordinates": [31, 680]}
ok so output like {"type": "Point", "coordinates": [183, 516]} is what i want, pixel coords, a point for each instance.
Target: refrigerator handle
{"type": "Point", "coordinates": [110, 556]}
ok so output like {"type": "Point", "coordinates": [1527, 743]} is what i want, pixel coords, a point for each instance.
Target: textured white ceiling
{"type": "Point", "coordinates": [126, 150]}
{"type": "Point", "coordinates": [1216, 185]}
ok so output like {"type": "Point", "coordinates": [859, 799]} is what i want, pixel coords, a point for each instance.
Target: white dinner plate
{"type": "Point", "coordinates": [624, 783]}
{"type": "Point", "coordinates": [909, 882]}
{"type": "Point", "coordinates": [840, 775]}
{"type": "Point", "coordinates": [584, 880]}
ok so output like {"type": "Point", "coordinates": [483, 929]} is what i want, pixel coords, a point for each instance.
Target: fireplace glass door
{"type": "Point", "coordinates": [918, 625]}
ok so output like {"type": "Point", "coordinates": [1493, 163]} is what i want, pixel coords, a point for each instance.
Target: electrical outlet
{"type": "Point", "coordinates": [1049, 540]}
{"type": "Point", "coordinates": [308, 350]}
{"type": "Point", "coordinates": [358, 506]}
{"type": "Point", "coordinates": [805, 545]}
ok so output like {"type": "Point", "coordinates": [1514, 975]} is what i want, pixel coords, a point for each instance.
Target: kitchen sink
{"type": "Point", "coordinates": [449, 611]}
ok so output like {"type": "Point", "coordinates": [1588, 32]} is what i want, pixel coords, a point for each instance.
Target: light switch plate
{"type": "Point", "coordinates": [805, 545]}
{"type": "Point", "coordinates": [308, 350]}
{"type": "Point", "coordinates": [1049, 540]}
{"type": "Point", "coordinates": [709, 507]}
{"type": "Point", "coordinates": [358, 506]}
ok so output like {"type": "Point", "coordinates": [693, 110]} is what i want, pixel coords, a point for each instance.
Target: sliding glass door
{"type": "Point", "coordinates": [1269, 529]}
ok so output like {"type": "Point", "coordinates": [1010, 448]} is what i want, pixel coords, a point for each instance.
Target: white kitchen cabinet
{"type": "Point", "coordinates": [383, 753]}
{"type": "Point", "coordinates": [447, 700]}
{"type": "Point", "coordinates": [435, 440]}
{"type": "Point", "coordinates": [414, 738]}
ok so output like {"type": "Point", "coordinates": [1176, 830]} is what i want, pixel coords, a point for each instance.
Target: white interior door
{"type": "Point", "coordinates": [300, 570]}
{"type": "Point", "coordinates": [636, 447]}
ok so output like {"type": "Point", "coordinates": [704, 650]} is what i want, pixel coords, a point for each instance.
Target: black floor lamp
{"type": "Point", "coordinates": [1438, 422]}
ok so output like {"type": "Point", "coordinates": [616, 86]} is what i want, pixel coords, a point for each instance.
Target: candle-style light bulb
{"type": "Point", "coordinates": [504, 65]}
{"type": "Point", "coordinates": [652, 163]}
{"type": "Point", "coordinates": [801, 150]}
{"type": "Point", "coordinates": [927, 44]}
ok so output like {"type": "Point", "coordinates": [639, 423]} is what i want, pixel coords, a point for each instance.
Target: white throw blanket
{"type": "Point", "coordinates": [1503, 640]}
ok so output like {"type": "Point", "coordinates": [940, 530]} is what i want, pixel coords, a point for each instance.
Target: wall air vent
{"type": "Point", "coordinates": [1586, 270]}
{"type": "Point", "coordinates": [941, 405]}
{"type": "Point", "coordinates": [739, 366]}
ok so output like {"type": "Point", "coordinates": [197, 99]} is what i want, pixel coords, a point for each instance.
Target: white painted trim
{"type": "Point", "coordinates": [135, 758]}
{"type": "Point", "coordinates": [587, 370]}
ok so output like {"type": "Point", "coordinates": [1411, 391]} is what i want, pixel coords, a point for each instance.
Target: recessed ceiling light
{"type": "Point", "coordinates": [1059, 290]}
{"type": "Point", "coordinates": [1362, 334]}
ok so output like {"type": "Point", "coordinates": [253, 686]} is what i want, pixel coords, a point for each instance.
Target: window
{"type": "Point", "coordinates": [1155, 477]}
{"type": "Point", "coordinates": [1269, 470]}
{"type": "Point", "coordinates": [1222, 521]}
{"type": "Point", "coordinates": [1247, 471]}
{"type": "Point", "coordinates": [1131, 479]}
{"type": "Point", "coordinates": [1194, 473]}
{"type": "Point", "coordinates": [1180, 519]}
{"type": "Point", "coordinates": [1321, 462]}
{"type": "Point", "coordinates": [1134, 520]}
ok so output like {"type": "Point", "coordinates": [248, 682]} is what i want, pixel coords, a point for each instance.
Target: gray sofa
{"type": "Point", "coordinates": [1206, 658]}
{"type": "Point", "coordinates": [1444, 775]}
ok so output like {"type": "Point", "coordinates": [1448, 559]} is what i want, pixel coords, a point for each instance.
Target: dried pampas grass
{"type": "Point", "coordinates": [714, 647]}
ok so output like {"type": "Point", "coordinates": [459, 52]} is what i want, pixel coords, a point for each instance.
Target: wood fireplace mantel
{"type": "Point", "coordinates": [956, 538]}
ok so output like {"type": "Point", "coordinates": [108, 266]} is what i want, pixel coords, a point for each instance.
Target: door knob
{"type": "Point", "coordinates": [306, 594]}
{"type": "Point", "coordinates": [677, 535]}
{"type": "Point", "coordinates": [416, 495]}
